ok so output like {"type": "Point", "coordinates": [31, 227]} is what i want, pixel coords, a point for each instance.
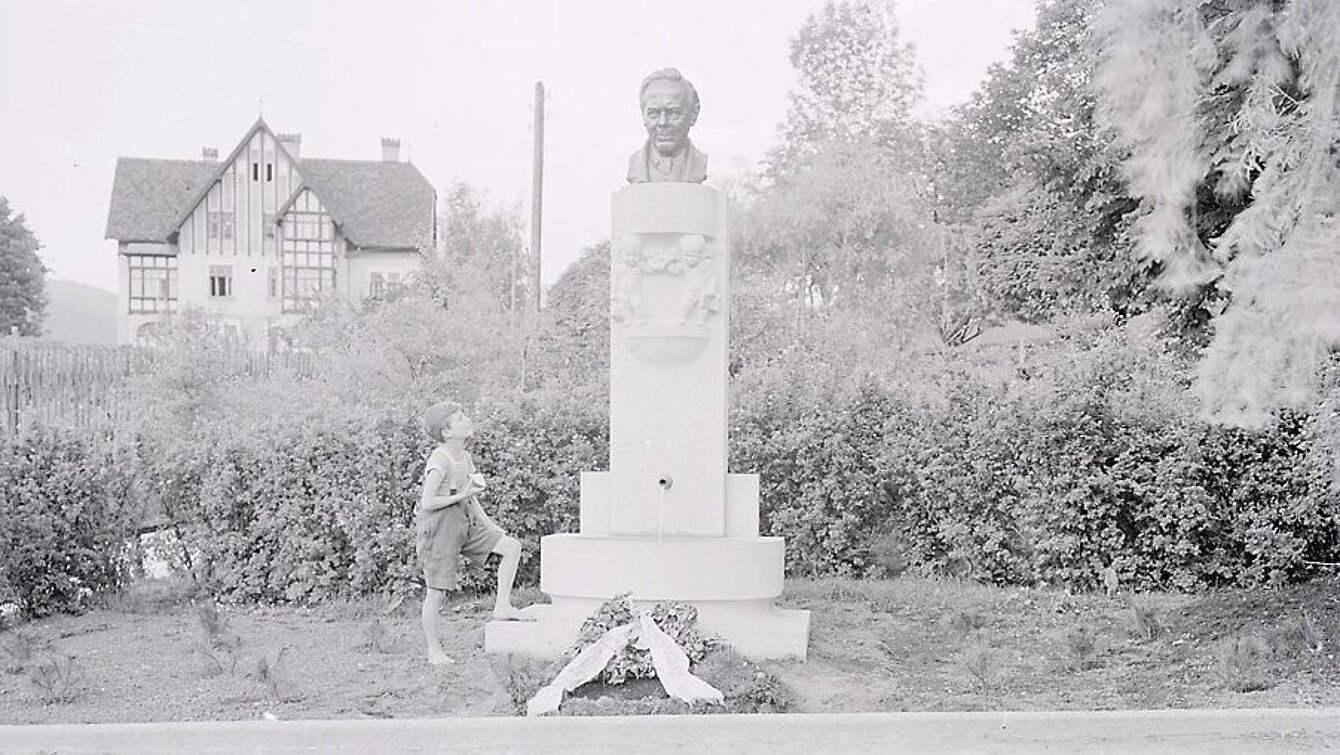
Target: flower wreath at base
{"type": "Point", "coordinates": [623, 644]}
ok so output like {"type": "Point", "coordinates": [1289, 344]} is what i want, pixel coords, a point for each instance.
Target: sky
{"type": "Point", "coordinates": [82, 83]}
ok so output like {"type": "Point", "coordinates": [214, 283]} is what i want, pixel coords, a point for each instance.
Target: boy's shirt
{"type": "Point", "coordinates": [455, 473]}
{"type": "Point", "coordinates": [455, 476]}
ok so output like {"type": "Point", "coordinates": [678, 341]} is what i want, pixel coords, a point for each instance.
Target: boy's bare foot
{"type": "Point", "coordinates": [439, 658]}
{"type": "Point", "coordinates": [509, 613]}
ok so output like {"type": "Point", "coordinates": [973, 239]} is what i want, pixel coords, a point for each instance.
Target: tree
{"type": "Point", "coordinates": [479, 250]}
{"type": "Point", "coordinates": [848, 230]}
{"type": "Point", "coordinates": [574, 327]}
{"type": "Point", "coordinates": [856, 81]}
{"type": "Point", "coordinates": [839, 219]}
{"type": "Point", "coordinates": [22, 284]}
{"type": "Point", "coordinates": [1028, 180]}
{"type": "Point", "coordinates": [1231, 113]}
{"type": "Point", "coordinates": [397, 355]}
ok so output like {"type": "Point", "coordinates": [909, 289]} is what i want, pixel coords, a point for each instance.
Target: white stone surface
{"type": "Point", "coordinates": [742, 493]}
{"type": "Point", "coordinates": [668, 361]}
{"type": "Point", "coordinates": [687, 569]}
{"type": "Point", "coordinates": [667, 522]}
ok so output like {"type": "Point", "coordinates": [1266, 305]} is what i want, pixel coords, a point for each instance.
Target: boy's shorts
{"type": "Point", "coordinates": [443, 536]}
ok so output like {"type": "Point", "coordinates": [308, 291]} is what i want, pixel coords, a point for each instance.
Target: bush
{"type": "Point", "coordinates": [325, 508]}
{"type": "Point", "coordinates": [66, 521]}
{"type": "Point", "coordinates": [823, 483]}
{"type": "Point", "coordinates": [533, 449]}
{"type": "Point", "coordinates": [1091, 464]}
{"type": "Point", "coordinates": [1090, 459]}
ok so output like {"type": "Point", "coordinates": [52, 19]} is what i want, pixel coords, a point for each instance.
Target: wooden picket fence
{"type": "Point", "coordinates": [46, 384]}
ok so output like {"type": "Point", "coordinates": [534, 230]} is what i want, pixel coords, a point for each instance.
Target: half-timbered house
{"type": "Point", "coordinates": [257, 238]}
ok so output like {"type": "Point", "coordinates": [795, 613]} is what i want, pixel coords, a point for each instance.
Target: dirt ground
{"type": "Point", "coordinates": [906, 644]}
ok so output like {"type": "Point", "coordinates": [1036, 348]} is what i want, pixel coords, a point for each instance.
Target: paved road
{"type": "Point", "coordinates": [1197, 731]}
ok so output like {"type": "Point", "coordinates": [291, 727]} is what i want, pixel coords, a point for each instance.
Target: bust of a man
{"type": "Point", "coordinates": [669, 109]}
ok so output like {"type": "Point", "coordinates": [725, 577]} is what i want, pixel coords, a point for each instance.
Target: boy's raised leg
{"type": "Point", "coordinates": [432, 606]}
{"type": "Point", "coordinates": [510, 550]}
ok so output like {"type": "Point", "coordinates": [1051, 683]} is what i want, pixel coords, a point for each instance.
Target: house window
{"type": "Point", "coordinates": [269, 222]}
{"type": "Point", "coordinates": [153, 283]}
{"type": "Point", "coordinates": [307, 258]}
{"type": "Point", "coordinates": [307, 227]}
{"type": "Point", "coordinates": [220, 225]}
{"type": "Point", "coordinates": [220, 280]}
{"type": "Point", "coordinates": [303, 285]}
{"type": "Point", "coordinates": [255, 171]}
{"type": "Point", "coordinates": [382, 283]}
{"type": "Point", "coordinates": [269, 172]}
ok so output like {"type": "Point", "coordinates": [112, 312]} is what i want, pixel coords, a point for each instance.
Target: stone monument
{"type": "Point", "coordinates": [667, 522]}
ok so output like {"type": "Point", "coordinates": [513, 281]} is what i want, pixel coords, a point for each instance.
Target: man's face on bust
{"type": "Point", "coordinates": [667, 113]}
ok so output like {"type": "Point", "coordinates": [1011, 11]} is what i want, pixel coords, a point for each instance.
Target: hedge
{"type": "Point", "coordinates": [326, 508]}
{"type": "Point", "coordinates": [1025, 491]}
{"type": "Point", "coordinates": [1041, 481]}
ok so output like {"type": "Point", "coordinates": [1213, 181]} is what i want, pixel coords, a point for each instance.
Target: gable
{"type": "Point", "coordinates": [235, 213]}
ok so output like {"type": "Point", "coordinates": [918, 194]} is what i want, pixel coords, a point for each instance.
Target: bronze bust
{"type": "Point", "coordinates": [669, 106]}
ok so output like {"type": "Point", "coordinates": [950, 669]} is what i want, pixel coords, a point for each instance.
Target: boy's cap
{"type": "Point", "coordinates": [436, 417]}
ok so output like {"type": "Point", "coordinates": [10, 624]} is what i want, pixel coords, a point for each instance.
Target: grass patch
{"type": "Point", "coordinates": [1242, 664]}
{"type": "Point", "coordinates": [910, 643]}
{"type": "Point", "coordinates": [54, 676]}
{"type": "Point", "coordinates": [1143, 620]}
{"type": "Point", "coordinates": [376, 637]}
{"type": "Point", "coordinates": [1082, 645]}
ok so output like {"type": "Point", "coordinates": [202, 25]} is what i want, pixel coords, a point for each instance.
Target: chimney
{"type": "Point", "coordinates": [209, 153]}
{"type": "Point", "coordinates": [292, 144]}
{"type": "Point", "coordinates": [390, 150]}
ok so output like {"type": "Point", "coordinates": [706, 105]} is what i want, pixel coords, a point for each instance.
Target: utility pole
{"type": "Point", "coordinates": [532, 310]}
{"type": "Point", "coordinates": [537, 199]}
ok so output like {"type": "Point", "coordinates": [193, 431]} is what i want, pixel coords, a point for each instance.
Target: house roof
{"type": "Point", "coordinates": [377, 204]}
{"type": "Point", "coordinates": [148, 195]}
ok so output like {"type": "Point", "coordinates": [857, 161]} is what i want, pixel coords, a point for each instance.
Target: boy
{"type": "Point", "coordinates": [450, 522]}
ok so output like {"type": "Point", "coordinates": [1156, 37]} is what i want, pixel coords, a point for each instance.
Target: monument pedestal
{"type": "Point", "coordinates": [666, 523]}
{"type": "Point", "coordinates": [733, 582]}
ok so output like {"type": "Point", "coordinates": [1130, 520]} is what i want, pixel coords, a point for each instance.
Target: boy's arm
{"type": "Point", "coordinates": [429, 501]}
{"type": "Point", "coordinates": [475, 507]}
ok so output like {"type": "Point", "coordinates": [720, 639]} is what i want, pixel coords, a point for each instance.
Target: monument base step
{"type": "Point", "coordinates": [756, 628]}
{"type": "Point", "coordinates": [662, 569]}
{"type": "Point", "coordinates": [733, 582]}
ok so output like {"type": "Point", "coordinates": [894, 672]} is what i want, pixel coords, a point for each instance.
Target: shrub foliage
{"type": "Point", "coordinates": [1084, 462]}
{"type": "Point", "coordinates": [1093, 459]}
{"type": "Point", "coordinates": [325, 508]}
{"type": "Point", "coordinates": [66, 515]}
